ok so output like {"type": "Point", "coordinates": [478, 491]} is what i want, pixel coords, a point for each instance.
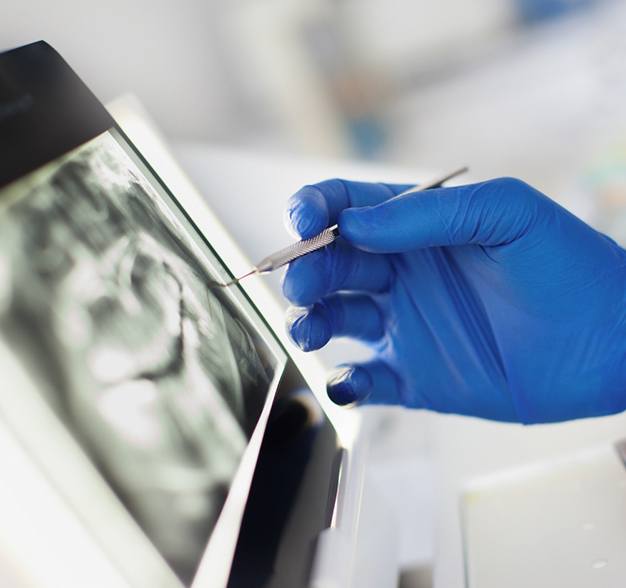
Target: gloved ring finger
{"type": "Point", "coordinates": [340, 315]}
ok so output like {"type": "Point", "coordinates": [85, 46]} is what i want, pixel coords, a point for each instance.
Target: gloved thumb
{"type": "Point", "coordinates": [490, 213]}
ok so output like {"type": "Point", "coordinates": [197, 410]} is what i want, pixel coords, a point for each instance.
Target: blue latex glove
{"type": "Point", "coordinates": [488, 300]}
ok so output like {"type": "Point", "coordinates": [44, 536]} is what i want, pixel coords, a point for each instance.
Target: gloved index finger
{"type": "Point", "coordinates": [317, 206]}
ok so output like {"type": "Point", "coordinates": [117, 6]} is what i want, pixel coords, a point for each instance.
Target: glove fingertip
{"type": "Point", "coordinates": [348, 384]}
{"type": "Point", "coordinates": [307, 213]}
{"type": "Point", "coordinates": [309, 330]}
{"type": "Point", "coordinates": [301, 284]}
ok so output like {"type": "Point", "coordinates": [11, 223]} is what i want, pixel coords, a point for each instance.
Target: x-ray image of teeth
{"type": "Point", "coordinates": [159, 377]}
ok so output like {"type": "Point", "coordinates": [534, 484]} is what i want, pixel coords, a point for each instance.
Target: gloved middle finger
{"type": "Point", "coordinates": [336, 267]}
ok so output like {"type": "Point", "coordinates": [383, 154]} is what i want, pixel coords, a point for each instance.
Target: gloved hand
{"type": "Point", "coordinates": [488, 300]}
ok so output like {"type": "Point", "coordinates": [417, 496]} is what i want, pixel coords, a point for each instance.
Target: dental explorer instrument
{"type": "Point", "coordinates": [326, 237]}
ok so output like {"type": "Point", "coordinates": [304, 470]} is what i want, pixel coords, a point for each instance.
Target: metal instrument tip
{"type": "Point", "coordinates": [237, 280]}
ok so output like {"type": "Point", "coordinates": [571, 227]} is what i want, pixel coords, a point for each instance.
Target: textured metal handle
{"type": "Point", "coordinates": [326, 237]}
{"type": "Point", "coordinates": [296, 250]}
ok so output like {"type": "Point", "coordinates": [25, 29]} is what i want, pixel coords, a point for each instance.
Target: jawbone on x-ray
{"type": "Point", "coordinates": [107, 302]}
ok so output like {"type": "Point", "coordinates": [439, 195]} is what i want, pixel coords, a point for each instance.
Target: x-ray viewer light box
{"type": "Point", "coordinates": [140, 391]}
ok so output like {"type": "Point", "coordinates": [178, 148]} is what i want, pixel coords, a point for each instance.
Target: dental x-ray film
{"type": "Point", "coordinates": [106, 301]}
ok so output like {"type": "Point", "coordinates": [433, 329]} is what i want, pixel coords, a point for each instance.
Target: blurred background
{"type": "Point", "coordinates": [530, 88]}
